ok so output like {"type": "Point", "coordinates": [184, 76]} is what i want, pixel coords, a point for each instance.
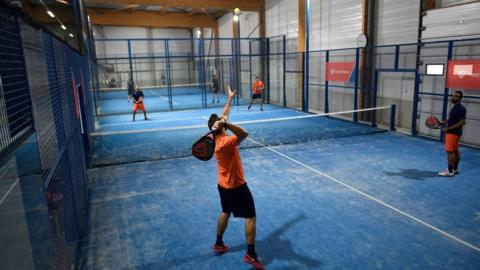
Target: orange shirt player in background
{"type": "Point", "coordinates": [257, 90]}
{"type": "Point", "coordinates": [235, 196]}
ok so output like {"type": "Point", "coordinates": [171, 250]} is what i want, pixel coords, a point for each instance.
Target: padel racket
{"type": "Point", "coordinates": [433, 122]}
{"type": "Point", "coordinates": [204, 148]}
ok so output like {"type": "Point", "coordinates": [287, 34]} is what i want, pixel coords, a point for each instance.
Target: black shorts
{"type": "Point", "coordinates": [256, 96]}
{"type": "Point", "coordinates": [215, 90]}
{"type": "Point", "coordinates": [238, 201]}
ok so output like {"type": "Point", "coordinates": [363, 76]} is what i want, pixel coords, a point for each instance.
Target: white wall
{"type": "Point", "coordinates": [225, 27]}
{"type": "Point", "coordinates": [248, 29]}
{"type": "Point", "coordinates": [396, 21]}
{"type": "Point", "coordinates": [335, 24]}
{"type": "Point", "coordinates": [281, 18]}
{"type": "Point", "coordinates": [248, 25]}
{"type": "Point", "coordinates": [446, 3]}
{"type": "Point", "coordinates": [225, 30]}
{"type": "Point", "coordinates": [452, 21]}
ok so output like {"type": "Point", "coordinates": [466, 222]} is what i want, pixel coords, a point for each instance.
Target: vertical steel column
{"type": "Point", "coordinates": [201, 73]}
{"type": "Point", "coordinates": [355, 94]}
{"type": "Point", "coordinates": [130, 59]}
{"type": "Point", "coordinates": [304, 86]}
{"type": "Point", "coordinates": [307, 56]}
{"type": "Point", "coordinates": [204, 71]}
{"type": "Point", "coordinates": [189, 71]}
{"type": "Point", "coordinates": [416, 89]}
{"type": "Point", "coordinates": [374, 98]}
{"type": "Point", "coordinates": [221, 77]}
{"type": "Point", "coordinates": [416, 94]}
{"type": "Point", "coordinates": [250, 61]}
{"type": "Point", "coordinates": [230, 67]}
{"type": "Point", "coordinates": [268, 69]}
{"type": "Point", "coordinates": [397, 56]}
{"type": "Point", "coordinates": [447, 90]}
{"type": "Point", "coordinates": [327, 59]}
{"type": "Point", "coordinates": [233, 79]}
{"type": "Point", "coordinates": [169, 76]}
{"type": "Point", "coordinates": [284, 71]}
{"type": "Point", "coordinates": [238, 66]}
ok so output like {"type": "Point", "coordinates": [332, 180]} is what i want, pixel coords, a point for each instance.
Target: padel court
{"type": "Point", "coordinates": [316, 208]}
{"type": "Point", "coordinates": [363, 123]}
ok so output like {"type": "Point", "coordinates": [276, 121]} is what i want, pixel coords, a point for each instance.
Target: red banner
{"type": "Point", "coordinates": [340, 71]}
{"type": "Point", "coordinates": [463, 74]}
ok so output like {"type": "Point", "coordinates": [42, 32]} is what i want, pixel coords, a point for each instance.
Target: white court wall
{"type": "Point", "coordinates": [396, 22]}
{"type": "Point", "coordinates": [335, 24]}
{"type": "Point", "coordinates": [147, 71]}
{"type": "Point", "coordinates": [455, 21]}
{"type": "Point", "coordinates": [281, 18]}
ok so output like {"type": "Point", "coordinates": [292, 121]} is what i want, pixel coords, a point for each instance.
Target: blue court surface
{"type": "Point", "coordinates": [372, 201]}
{"type": "Point", "coordinates": [116, 102]}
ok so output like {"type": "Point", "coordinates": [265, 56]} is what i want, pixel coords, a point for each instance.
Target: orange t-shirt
{"type": "Point", "coordinates": [229, 164]}
{"type": "Point", "coordinates": [257, 87]}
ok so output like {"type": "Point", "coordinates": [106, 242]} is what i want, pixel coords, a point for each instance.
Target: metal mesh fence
{"type": "Point", "coordinates": [393, 71]}
{"type": "Point", "coordinates": [434, 97]}
{"type": "Point", "coordinates": [16, 122]}
{"type": "Point", "coordinates": [43, 178]}
{"type": "Point", "coordinates": [165, 63]}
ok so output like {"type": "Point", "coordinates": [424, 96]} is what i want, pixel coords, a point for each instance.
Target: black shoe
{"type": "Point", "coordinates": [249, 107]}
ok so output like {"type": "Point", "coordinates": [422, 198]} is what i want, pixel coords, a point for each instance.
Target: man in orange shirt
{"type": "Point", "coordinates": [235, 196]}
{"type": "Point", "coordinates": [257, 90]}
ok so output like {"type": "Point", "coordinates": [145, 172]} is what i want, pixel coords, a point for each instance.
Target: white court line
{"type": "Point", "coordinates": [164, 98]}
{"type": "Point", "coordinates": [204, 117]}
{"type": "Point", "coordinates": [372, 198]}
{"type": "Point", "coordinates": [151, 121]}
{"type": "Point", "coordinates": [187, 118]}
{"type": "Point", "coordinates": [9, 190]}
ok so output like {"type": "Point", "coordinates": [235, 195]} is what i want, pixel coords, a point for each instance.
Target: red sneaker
{"type": "Point", "coordinates": [253, 261]}
{"type": "Point", "coordinates": [220, 249]}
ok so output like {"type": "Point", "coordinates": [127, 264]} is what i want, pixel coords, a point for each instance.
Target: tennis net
{"type": "Point", "coordinates": [119, 147]}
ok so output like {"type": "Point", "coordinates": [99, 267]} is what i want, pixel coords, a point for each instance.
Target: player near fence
{"type": "Point", "coordinates": [257, 91]}
{"type": "Point", "coordinates": [453, 132]}
{"type": "Point", "coordinates": [137, 97]}
{"type": "Point", "coordinates": [235, 196]}
{"type": "Point", "coordinates": [130, 88]}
